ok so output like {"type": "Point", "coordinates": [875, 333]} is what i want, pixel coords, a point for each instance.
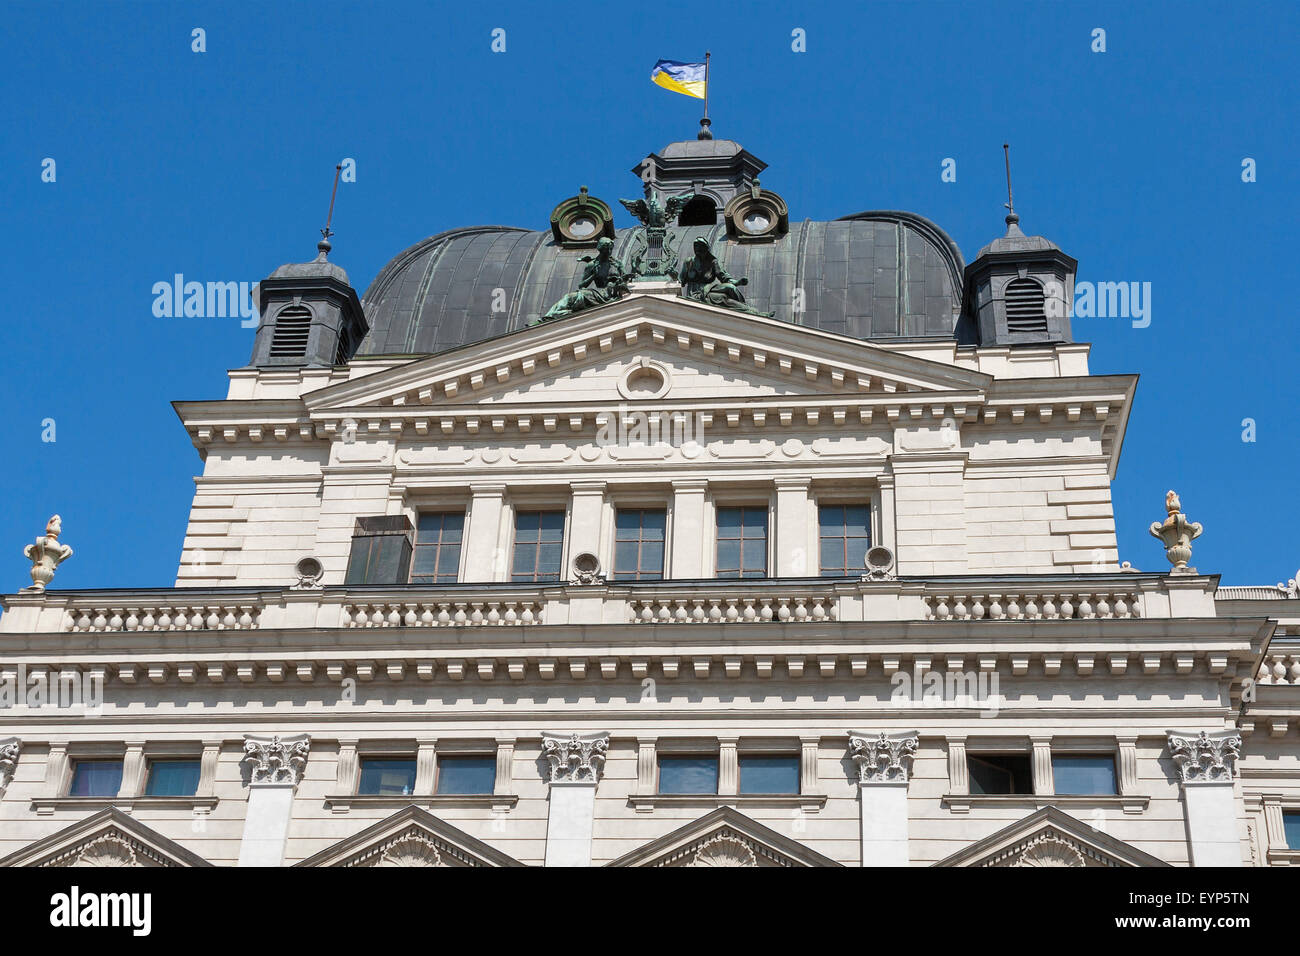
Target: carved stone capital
{"type": "Point", "coordinates": [1205, 757]}
{"type": "Point", "coordinates": [883, 758]}
{"type": "Point", "coordinates": [276, 759]}
{"type": "Point", "coordinates": [575, 756]}
{"type": "Point", "coordinates": [10, 748]}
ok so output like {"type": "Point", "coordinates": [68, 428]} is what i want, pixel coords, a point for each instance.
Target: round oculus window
{"type": "Point", "coordinates": [645, 382]}
{"type": "Point", "coordinates": [756, 221]}
{"type": "Point", "coordinates": [581, 227]}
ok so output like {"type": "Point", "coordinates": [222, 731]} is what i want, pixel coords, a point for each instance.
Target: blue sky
{"type": "Point", "coordinates": [218, 165]}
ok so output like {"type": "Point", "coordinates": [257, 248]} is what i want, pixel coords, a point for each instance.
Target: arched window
{"type": "Point", "coordinates": [292, 329]}
{"type": "Point", "coordinates": [1025, 306]}
{"type": "Point", "coordinates": [700, 211]}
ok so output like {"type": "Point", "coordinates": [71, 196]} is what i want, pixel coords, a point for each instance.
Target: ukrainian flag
{"type": "Point", "coordinates": [687, 78]}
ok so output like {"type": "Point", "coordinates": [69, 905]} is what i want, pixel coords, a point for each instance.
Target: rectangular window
{"type": "Point", "coordinates": [742, 542]}
{"type": "Point", "coordinates": [96, 778]}
{"type": "Point", "coordinates": [1000, 773]}
{"type": "Point", "coordinates": [381, 550]}
{"type": "Point", "coordinates": [172, 778]}
{"type": "Point", "coordinates": [1089, 775]}
{"type": "Point", "coordinates": [539, 540]}
{"type": "Point", "coordinates": [437, 547]}
{"type": "Point", "coordinates": [639, 544]}
{"type": "Point", "coordinates": [1291, 827]}
{"type": "Point", "coordinates": [387, 776]}
{"type": "Point", "coordinates": [688, 774]}
{"type": "Point", "coordinates": [845, 532]}
{"type": "Point", "coordinates": [769, 774]}
{"type": "Point", "coordinates": [466, 775]}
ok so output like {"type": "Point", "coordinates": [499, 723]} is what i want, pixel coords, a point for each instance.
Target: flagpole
{"type": "Point", "coordinates": [706, 84]}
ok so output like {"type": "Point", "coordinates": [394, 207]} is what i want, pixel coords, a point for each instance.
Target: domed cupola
{"type": "Point", "coordinates": [1018, 289]}
{"type": "Point", "coordinates": [716, 170]}
{"type": "Point", "coordinates": [310, 315]}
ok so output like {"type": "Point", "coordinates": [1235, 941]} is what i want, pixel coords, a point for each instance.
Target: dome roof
{"type": "Point", "coordinates": [873, 275]}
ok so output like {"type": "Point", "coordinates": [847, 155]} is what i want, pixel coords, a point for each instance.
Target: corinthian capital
{"type": "Point", "coordinates": [883, 758]}
{"type": "Point", "coordinates": [275, 759]}
{"type": "Point", "coordinates": [10, 747]}
{"type": "Point", "coordinates": [575, 756]}
{"type": "Point", "coordinates": [1205, 757]}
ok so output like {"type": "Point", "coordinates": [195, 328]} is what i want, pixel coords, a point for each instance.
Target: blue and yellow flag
{"type": "Point", "coordinates": [686, 78]}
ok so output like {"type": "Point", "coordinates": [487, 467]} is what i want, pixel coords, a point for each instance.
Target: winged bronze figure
{"type": "Point", "coordinates": [653, 252]}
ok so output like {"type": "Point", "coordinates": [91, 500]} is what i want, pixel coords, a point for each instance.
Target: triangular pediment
{"type": "Point", "coordinates": [725, 837]}
{"type": "Point", "coordinates": [704, 351]}
{"type": "Point", "coordinates": [109, 838]}
{"type": "Point", "coordinates": [1051, 837]}
{"type": "Point", "coordinates": [410, 837]}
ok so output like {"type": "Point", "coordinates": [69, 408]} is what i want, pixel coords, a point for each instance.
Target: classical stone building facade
{"type": "Point", "coordinates": [664, 581]}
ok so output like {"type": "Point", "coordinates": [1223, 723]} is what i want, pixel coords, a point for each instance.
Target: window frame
{"type": "Point", "coordinates": [766, 505]}
{"type": "Point", "coordinates": [1025, 754]}
{"type": "Point", "coordinates": [639, 504]}
{"type": "Point", "coordinates": [528, 507]}
{"type": "Point", "coordinates": [390, 755]}
{"type": "Point", "coordinates": [445, 756]}
{"type": "Point", "coordinates": [751, 754]}
{"type": "Point", "coordinates": [75, 761]}
{"type": "Point", "coordinates": [674, 754]}
{"type": "Point", "coordinates": [448, 509]}
{"type": "Point", "coordinates": [153, 760]}
{"type": "Point", "coordinates": [1066, 753]}
{"type": "Point", "coordinates": [871, 502]}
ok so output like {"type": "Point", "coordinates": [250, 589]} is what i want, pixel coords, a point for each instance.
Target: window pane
{"type": "Point", "coordinates": [688, 774]}
{"type": "Point", "coordinates": [1000, 773]}
{"type": "Point", "coordinates": [1084, 775]}
{"type": "Point", "coordinates": [466, 775]}
{"type": "Point", "coordinates": [387, 776]}
{"type": "Point", "coordinates": [625, 554]}
{"type": "Point", "coordinates": [96, 778]}
{"type": "Point", "coordinates": [776, 774]}
{"type": "Point", "coordinates": [552, 525]}
{"type": "Point", "coordinates": [832, 555]}
{"type": "Point", "coordinates": [728, 522]}
{"type": "Point", "coordinates": [755, 555]}
{"type": "Point", "coordinates": [548, 560]}
{"type": "Point", "coordinates": [728, 555]}
{"type": "Point", "coordinates": [845, 532]}
{"type": "Point", "coordinates": [857, 520]}
{"type": "Point", "coordinates": [1291, 827]}
{"type": "Point", "coordinates": [652, 559]}
{"type": "Point", "coordinates": [526, 525]}
{"type": "Point", "coordinates": [653, 524]}
{"type": "Point", "coordinates": [627, 525]}
{"type": "Point", "coordinates": [172, 778]}
{"type": "Point", "coordinates": [755, 522]}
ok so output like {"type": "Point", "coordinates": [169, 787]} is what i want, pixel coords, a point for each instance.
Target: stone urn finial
{"type": "Point", "coordinates": [1177, 535]}
{"type": "Point", "coordinates": [46, 554]}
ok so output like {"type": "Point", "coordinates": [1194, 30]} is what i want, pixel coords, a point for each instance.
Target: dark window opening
{"type": "Point", "coordinates": [1000, 773]}
{"type": "Point", "coordinates": [381, 550]}
{"type": "Point", "coordinates": [700, 211]}
{"type": "Point", "coordinates": [1026, 311]}
{"type": "Point", "coordinates": [292, 330]}
{"type": "Point", "coordinates": [96, 778]}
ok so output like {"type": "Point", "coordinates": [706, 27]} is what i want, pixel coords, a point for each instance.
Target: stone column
{"type": "Point", "coordinates": [884, 763]}
{"type": "Point", "coordinates": [576, 762]}
{"type": "Point", "coordinates": [276, 765]}
{"type": "Point", "coordinates": [1207, 764]}
{"type": "Point", "coordinates": [794, 519]}
{"type": "Point", "coordinates": [688, 531]}
{"type": "Point", "coordinates": [482, 534]}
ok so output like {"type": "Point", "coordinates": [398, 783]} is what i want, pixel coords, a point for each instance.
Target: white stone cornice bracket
{"type": "Point", "coordinates": [1205, 758]}
{"type": "Point", "coordinates": [276, 760]}
{"type": "Point", "coordinates": [10, 748]}
{"type": "Point", "coordinates": [575, 756]}
{"type": "Point", "coordinates": [883, 758]}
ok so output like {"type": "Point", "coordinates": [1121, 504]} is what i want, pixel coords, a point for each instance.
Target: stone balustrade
{"type": "Point", "coordinates": [1036, 605]}
{"type": "Point", "coordinates": [790, 601]}
{"type": "Point", "coordinates": [732, 609]}
{"type": "Point", "coordinates": [1280, 667]}
{"type": "Point", "coordinates": [180, 616]}
{"type": "Point", "coordinates": [444, 613]}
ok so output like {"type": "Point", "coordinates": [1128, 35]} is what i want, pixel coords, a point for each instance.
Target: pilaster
{"type": "Point", "coordinates": [1207, 767]}
{"type": "Point", "coordinates": [276, 765]}
{"type": "Point", "coordinates": [884, 764]}
{"type": "Point", "coordinates": [576, 763]}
